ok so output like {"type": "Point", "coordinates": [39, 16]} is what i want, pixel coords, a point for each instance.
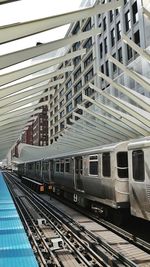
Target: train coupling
{"type": "Point", "coordinates": [97, 210]}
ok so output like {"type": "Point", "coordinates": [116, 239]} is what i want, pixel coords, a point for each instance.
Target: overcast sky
{"type": "Point", "coordinates": [25, 10]}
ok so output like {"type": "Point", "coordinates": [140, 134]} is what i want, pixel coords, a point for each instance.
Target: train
{"type": "Point", "coordinates": [112, 180]}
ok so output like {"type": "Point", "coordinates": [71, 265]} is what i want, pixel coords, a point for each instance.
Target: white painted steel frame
{"type": "Point", "coordinates": [24, 29]}
{"type": "Point", "coordinates": [28, 53]}
{"type": "Point", "coordinates": [20, 73]}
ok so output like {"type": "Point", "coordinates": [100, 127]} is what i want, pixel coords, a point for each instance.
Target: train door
{"type": "Point", "coordinates": [139, 189]}
{"type": "Point", "coordinates": [78, 169]}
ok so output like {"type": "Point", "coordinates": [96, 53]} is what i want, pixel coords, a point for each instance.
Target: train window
{"type": "Point", "coordinates": [138, 165]}
{"type": "Point", "coordinates": [57, 166]}
{"type": "Point", "coordinates": [30, 166]}
{"type": "Point", "coordinates": [67, 165]}
{"type": "Point", "coordinates": [38, 166]}
{"type": "Point", "coordinates": [62, 167]}
{"type": "Point", "coordinates": [45, 166]}
{"type": "Point", "coordinates": [106, 169]}
{"type": "Point", "coordinates": [122, 164]}
{"type": "Point", "coordinates": [78, 165]}
{"type": "Point", "coordinates": [93, 165]}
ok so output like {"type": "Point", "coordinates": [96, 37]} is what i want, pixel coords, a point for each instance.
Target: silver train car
{"type": "Point", "coordinates": [112, 179]}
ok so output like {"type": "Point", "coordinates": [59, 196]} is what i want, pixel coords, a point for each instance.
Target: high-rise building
{"type": "Point", "coordinates": [40, 127]}
{"type": "Point", "coordinates": [27, 136]}
{"type": "Point", "coordinates": [129, 20]}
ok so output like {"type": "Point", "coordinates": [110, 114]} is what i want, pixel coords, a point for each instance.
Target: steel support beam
{"type": "Point", "coordinates": [21, 73]}
{"type": "Point", "coordinates": [13, 58]}
{"type": "Point", "coordinates": [141, 100]}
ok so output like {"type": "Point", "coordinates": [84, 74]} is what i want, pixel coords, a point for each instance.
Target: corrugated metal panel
{"type": "Point", "coordinates": [15, 249]}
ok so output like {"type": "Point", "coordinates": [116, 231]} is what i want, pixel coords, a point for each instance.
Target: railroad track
{"type": "Point", "coordinates": [145, 246]}
{"type": "Point", "coordinates": [89, 242]}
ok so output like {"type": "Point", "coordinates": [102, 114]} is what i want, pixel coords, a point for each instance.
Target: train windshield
{"type": "Point", "coordinates": [122, 164]}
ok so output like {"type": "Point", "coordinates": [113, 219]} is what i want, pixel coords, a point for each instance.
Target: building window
{"type": "Point", "coordinates": [135, 12]}
{"type": "Point", "coordinates": [88, 76]}
{"type": "Point", "coordinates": [61, 103]}
{"type": "Point", "coordinates": [88, 26]}
{"type": "Point", "coordinates": [56, 109]}
{"type": "Point", "coordinates": [105, 45]}
{"type": "Point", "coordinates": [76, 46]}
{"type": "Point", "coordinates": [77, 73]}
{"type": "Point", "coordinates": [101, 50]}
{"type": "Point", "coordinates": [117, 12]}
{"type": "Point", "coordinates": [93, 165]}
{"type": "Point", "coordinates": [79, 111]}
{"type": "Point", "coordinates": [68, 84]}
{"type": "Point", "coordinates": [138, 165]}
{"type": "Point", "coordinates": [68, 96]}
{"type": "Point", "coordinates": [69, 108]}
{"type": "Point", "coordinates": [56, 129]}
{"type": "Point", "coordinates": [88, 60]}
{"type": "Point", "coordinates": [106, 170]}
{"type": "Point", "coordinates": [129, 52]}
{"type": "Point", "coordinates": [78, 100]}
{"type": "Point", "coordinates": [68, 120]}
{"type": "Point", "coordinates": [137, 38]}
{"type": "Point", "coordinates": [88, 43]}
{"type": "Point", "coordinates": [118, 31]}
{"type": "Point", "coordinates": [77, 86]}
{"type": "Point", "coordinates": [112, 33]}
{"type": "Point", "coordinates": [62, 125]}
{"type": "Point", "coordinates": [120, 54]}
{"type": "Point", "coordinates": [55, 99]}
{"type": "Point", "coordinates": [127, 20]}
{"type": "Point", "coordinates": [56, 118]}
{"type": "Point", "coordinates": [107, 68]}
{"type": "Point", "coordinates": [51, 122]}
{"type": "Point", "coordinates": [76, 60]}
{"type": "Point", "coordinates": [76, 28]}
{"type": "Point", "coordinates": [114, 66]}
{"type": "Point", "coordinates": [102, 68]}
{"type": "Point", "coordinates": [104, 24]}
{"type": "Point", "coordinates": [62, 113]}
{"type": "Point", "coordinates": [61, 92]}
{"type": "Point", "coordinates": [89, 91]}
{"type": "Point", "coordinates": [88, 104]}
{"type": "Point", "coordinates": [111, 15]}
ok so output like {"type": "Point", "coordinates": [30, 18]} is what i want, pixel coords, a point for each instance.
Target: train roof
{"type": "Point", "coordinates": [140, 143]}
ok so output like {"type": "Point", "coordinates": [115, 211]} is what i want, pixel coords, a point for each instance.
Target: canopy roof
{"type": "Point", "coordinates": [100, 124]}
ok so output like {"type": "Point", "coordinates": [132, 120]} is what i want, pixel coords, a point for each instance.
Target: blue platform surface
{"type": "Point", "coordinates": [15, 248]}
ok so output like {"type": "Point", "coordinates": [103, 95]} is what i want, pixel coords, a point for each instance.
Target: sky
{"type": "Point", "coordinates": [25, 10]}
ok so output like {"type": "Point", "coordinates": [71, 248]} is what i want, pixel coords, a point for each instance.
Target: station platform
{"type": "Point", "coordinates": [15, 248]}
